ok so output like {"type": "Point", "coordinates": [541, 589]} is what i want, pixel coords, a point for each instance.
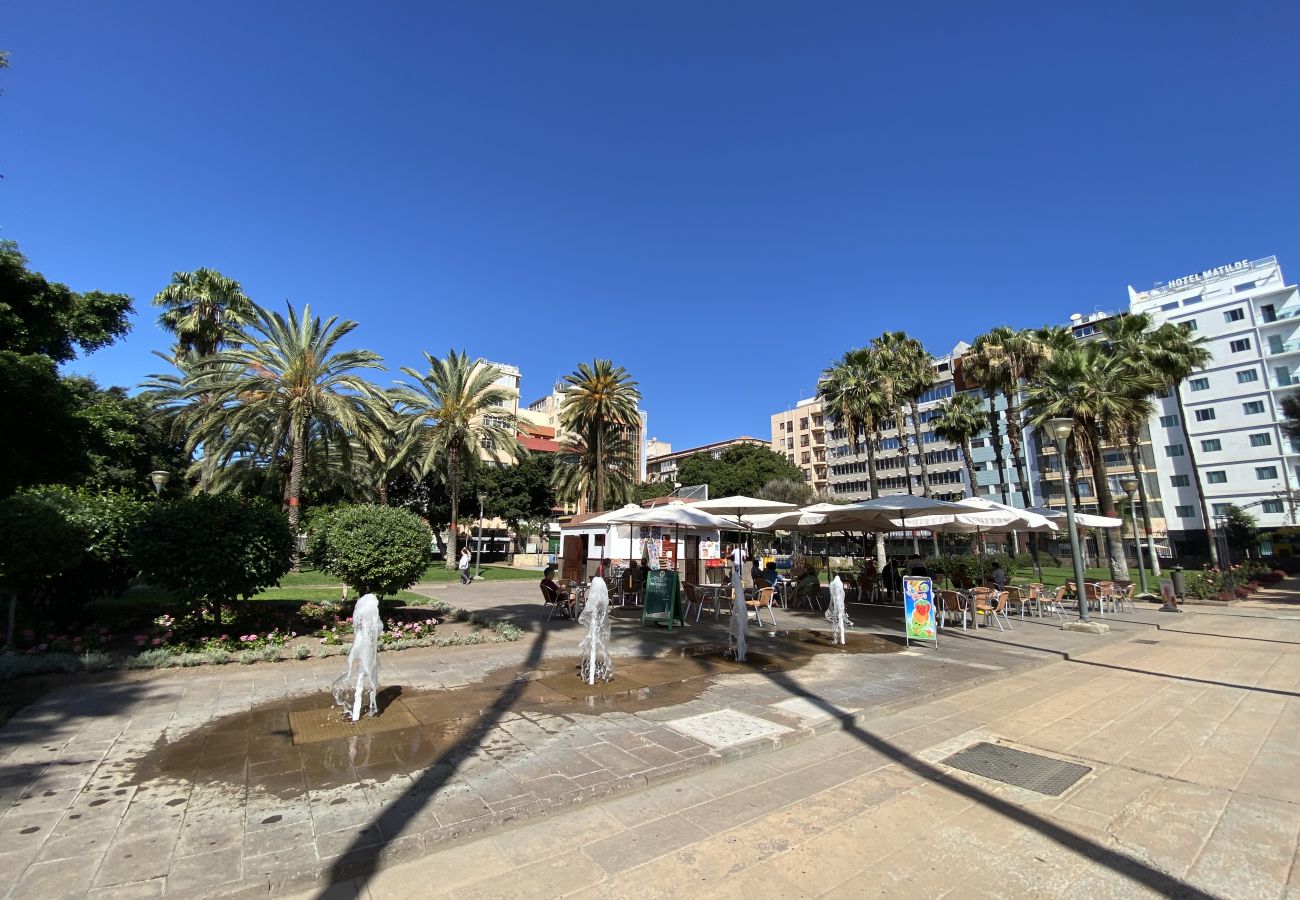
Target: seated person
{"type": "Point", "coordinates": [998, 577]}
{"type": "Point", "coordinates": [771, 575]}
{"type": "Point", "coordinates": [809, 583]}
{"type": "Point", "coordinates": [562, 598]}
{"type": "Point", "coordinates": [869, 572]}
{"type": "Point", "coordinates": [635, 576]}
{"type": "Point", "coordinates": [916, 566]}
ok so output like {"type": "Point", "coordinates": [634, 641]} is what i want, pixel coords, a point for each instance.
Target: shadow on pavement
{"type": "Point", "coordinates": [1116, 861]}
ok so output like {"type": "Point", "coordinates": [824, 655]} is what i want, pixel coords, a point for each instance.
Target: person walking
{"type": "Point", "coordinates": [464, 566]}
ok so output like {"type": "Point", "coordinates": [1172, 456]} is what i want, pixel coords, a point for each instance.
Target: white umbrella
{"type": "Point", "coordinates": [676, 514]}
{"type": "Point", "coordinates": [740, 505]}
{"type": "Point", "coordinates": [1087, 520]}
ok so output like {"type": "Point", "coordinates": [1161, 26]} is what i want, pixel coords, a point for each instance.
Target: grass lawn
{"type": "Point", "coordinates": [434, 574]}
{"type": "Point", "coordinates": [1054, 576]}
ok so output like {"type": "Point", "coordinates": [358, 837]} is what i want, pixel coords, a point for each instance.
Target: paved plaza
{"type": "Point", "coordinates": [813, 770]}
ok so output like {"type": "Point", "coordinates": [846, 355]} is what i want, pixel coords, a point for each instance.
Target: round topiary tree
{"type": "Point", "coordinates": [106, 568]}
{"type": "Point", "coordinates": [213, 548]}
{"type": "Point", "coordinates": [373, 549]}
{"type": "Point", "coordinates": [38, 543]}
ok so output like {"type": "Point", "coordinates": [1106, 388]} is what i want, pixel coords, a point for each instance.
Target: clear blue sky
{"type": "Point", "coordinates": [720, 196]}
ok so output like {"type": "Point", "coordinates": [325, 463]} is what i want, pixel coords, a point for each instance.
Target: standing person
{"type": "Point", "coordinates": [464, 565]}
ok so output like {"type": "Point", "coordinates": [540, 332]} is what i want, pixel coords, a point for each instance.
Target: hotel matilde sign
{"type": "Point", "coordinates": [1198, 277]}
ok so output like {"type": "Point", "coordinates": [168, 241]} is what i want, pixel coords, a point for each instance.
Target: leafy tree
{"type": "Point", "coordinates": [373, 549]}
{"type": "Point", "coordinates": [980, 367]}
{"type": "Point", "coordinates": [521, 493]}
{"type": "Point", "coordinates": [452, 413]}
{"type": "Point", "coordinates": [213, 548]}
{"type": "Point", "coordinates": [959, 421]}
{"type": "Point", "coordinates": [38, 543]}
{"type": "Point", "coordinates": [740, 469]}
{"type": "Point", "coordinates": [286, 380]}
{"type": "Point", "coordinates": [787, 490]}
{"type": "Point", "coordinates": [600, 406]}
{"type": "Point", "coordinates": [1241, 529]}
{"type": "Point", "coordinates": [1291, 416]}
{"type": "Point", "coordinates": [105, 567]}
{"type": "Point", "coordinates": [45, 435]}
{"type": "Point", "coordinates": [125, 438]}
{"type": "Point", "coordinates": [651, 490]}
{"type": "Point", "coordinates": [47, 318]}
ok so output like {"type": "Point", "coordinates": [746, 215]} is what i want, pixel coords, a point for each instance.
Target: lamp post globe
{"type": "Point", "coordinates": [159, 479]}
{"type": "Point", "coordinates": [1061, 429]}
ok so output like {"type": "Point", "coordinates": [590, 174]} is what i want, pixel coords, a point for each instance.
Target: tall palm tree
{"type": "Point", "coordinates": [980, 366]}
{"type": "Point", "coordinates": [1175, 353]}
{"type": "Point", "coordinates": [577, 467]}
{"type": "Point", "coordinates": [1100, 391]}
{"type": "Point", "coordinates": [1019, 354]}
{"type": "Point", "coordinates": [600, 400]}
{"type": "Point", "coordinates": [960, 420]}
{"type": "Point", "coordinates": [854, 396]}
{"type": "Point", "coordinates": [903, 381]}
{"type": "Point", "coordinates": [453, 413]}
{"type": "Point", "coordinates": [285, 378]}
{"type": "Point", "coordinates": [204, 310]}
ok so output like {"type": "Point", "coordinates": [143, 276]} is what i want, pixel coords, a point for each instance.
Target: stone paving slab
{"type": "Point", "coordinates": [70, 764]}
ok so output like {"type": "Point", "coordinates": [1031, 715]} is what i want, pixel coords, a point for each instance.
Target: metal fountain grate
{"type": "Point", "coordinates": [1041, 774]}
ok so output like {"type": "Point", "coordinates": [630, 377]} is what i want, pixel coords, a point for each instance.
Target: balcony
{"type": "Point", "coordinates": [1284, 315]}
{"type": "Point", "coordinates": [1279, 348]}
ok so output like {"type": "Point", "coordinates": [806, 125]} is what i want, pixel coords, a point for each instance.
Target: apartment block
{"type": "Point", "coordinates": [799, 434]}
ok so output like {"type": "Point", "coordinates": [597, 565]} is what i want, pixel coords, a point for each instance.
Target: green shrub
{"type": "Point", "coordinates": [151, 659]}
{"type": "Point", "coordinates": [373, 549]}
{"type": "Point", "coordinates": [16, 666]}
{"type": "Point", "coordinates": [212, 548]}
{"type": "Point", "coordinates": [248, 657]}
{"type": "Point", "coordinates": [302, 651]}
{"type": "Point", "coordinates": [95, 660]}
{"type": "Point", "coordinates": [106, 567]}
{"type": "Point", "coordinates": [38, 544]}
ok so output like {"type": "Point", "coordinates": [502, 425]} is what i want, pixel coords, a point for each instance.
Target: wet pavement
{"type": "Point", "coordinates": [241, 780]}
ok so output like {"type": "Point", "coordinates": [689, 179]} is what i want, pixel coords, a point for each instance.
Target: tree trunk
{"type": "Point", "coordinates": [1196, 477]}
{"type": "Point", "coordinates": [598, 498]}
{"type": "Point", "coordinates": [13, 615]}
{"type": "Point", "coordinates": [902, 446]}
{"type": "Point", "coordinates": [920, 448]}
{"type": "Point", "coordinates": [970, 466]}
{"type": "Point", "coordinates": [873, 486]}
{"type": "Point", "coordinates": [295, 486]}
{"type": "Point", "coordinates": [453, 482]}
{"type": "Point", "coordinates": [383, 491]}
{"type": "Point", "coordinates": [1017, 446]}
{"type": "Point", "coordinates": [1114, 536]}
{"type": "Point", "coordinates": [1135, 459]}
{"type": "Point", "coordinates": [995, 437]}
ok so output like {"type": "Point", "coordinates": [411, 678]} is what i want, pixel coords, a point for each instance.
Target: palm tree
{"type": "Point", "coordinates": [902, 359]}
{"type": "Point", "coordinates": [853, 395]}
{"type": "Point", "coordinates": [1019, 354]}
{"type": "Point", "coordinates": [600, 402]}
{"type": "Point", "coordinates": [1100, 391]}
{"type": "Point", "coordinates": [205, 310]}
{"type": "Point", "coordinates": [1175, 353]}
{"type": "Point", "coordinates": [285, 379]}
{"type": "Point", "coordinates": [453, 413]}
{"type": "Point", "coordinates": [1291, 416]}
{"type": "Point", "coordinates": [959, 421]}
{"type": "Point", "coordinates": [980, 366]}
{"type": "Point", "coordinates": [578, 467]}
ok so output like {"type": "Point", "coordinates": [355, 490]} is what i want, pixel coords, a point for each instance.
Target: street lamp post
{"type": "Point", "coordinates": [1060, 430]}
{"type": "Point", "coordinates": [1130, 486]}
{"type": "Point", "coordinates": [478, 558]}
{"type": "Point", "coordinates": [159, 479]}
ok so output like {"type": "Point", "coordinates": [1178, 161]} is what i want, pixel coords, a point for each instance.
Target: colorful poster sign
{"type": "Point", "coordinates": [920, 619]}
{"type": "Point", "coordinates": [710, 550]}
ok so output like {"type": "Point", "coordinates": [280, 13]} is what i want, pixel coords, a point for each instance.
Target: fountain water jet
{"type": "Point", "coordinates": [836, 613]}
{"type": "Point", "coordinates": [594, 649]}
{"type": "Point", "coordinates": [364, 657]}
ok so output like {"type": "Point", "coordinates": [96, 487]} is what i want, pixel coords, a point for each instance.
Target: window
{"type": "Point", "coordinates": [1211, 446]}
{"type": "Point", "coordinates": [1244, 286]}
{"type": "Point", "coordinates": [1217, 476]}
{"type": "Point", "coordinates": [1268, 312]}
{"type": "Point", "coordinates": [1170, 421]}
{"type": "Point", "coordinates": [1263, 439]}
{"type": "Point", "coordinates": [1174, 450]}
{"type": "Point", "coordinates": [1220, 509]}
{"type": "Point", "coordinates": [1178, 481]}
{"type": "Point", "coordinates": [1265, 473]}
{"type": "Point", "coordinates": [1240, 346]}
{"type": "Point", "coordinates": [1246, 376]}
{"type": "Point", "coordinates": [1200, 384]}
{"type": "Point", "coordinates": [1189, 325]}
{"type": "Point", "coordinates": [1205, 415]}
{"type": "Point", "coordinates": [1168, 306]}
{"type": "Point", "coordinates": [1253, 408]}
{"type": "Point", "coordinates": [1234, 315]}
{"type": "Point", "coordinates": [1272, 506]}
{"type": "Point", "coordinates": [1185, 512]}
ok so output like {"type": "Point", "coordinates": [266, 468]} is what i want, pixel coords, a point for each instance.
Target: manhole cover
{"type": "Point", "coordinates": [310, 725]}
{"type": "Point", "coordinates": [1041, 774]}
{"type": "Point", "coordinates": [725, 727]}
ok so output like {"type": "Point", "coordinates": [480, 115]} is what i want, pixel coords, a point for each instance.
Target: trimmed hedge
{"type": "Point", "coordinates": [373, 549]}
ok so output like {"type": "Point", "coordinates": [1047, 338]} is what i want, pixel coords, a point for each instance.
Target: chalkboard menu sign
{"type": "Point", "coordinates": [661, 598]}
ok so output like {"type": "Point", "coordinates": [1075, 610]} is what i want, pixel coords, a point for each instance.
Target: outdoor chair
{"type": "Point", "coordinates": [549, 598]}
{"type": "Point", "coordinates": [810, 594]}
{"type": "Point", "coordinates": [953, 602]}
{"type": "Point", "coordinates": [1016, 596]}
{"type": "Point", "coordinates": [694, 596]}
{"type": "Point", "coordinates": [1095, 594]}
{"type": "Point", "coordinates": [870, 589]}
{"type": "Point", "coordinates": [992, 603]}
{"type": "Point", "coordinates": [1124, 591]}
{"type": "Point", "coordinates": [762, 600]}
{"type": "Point", "coordinates": [631, 589]}
{"type": "Point", "coordinates": [1053, 602]}
{"type": "Point", "coordinates": [852, 594]}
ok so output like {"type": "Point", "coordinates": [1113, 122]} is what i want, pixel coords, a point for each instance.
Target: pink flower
{"type": "Point", "coordinates": [225, 637]}
{"type": "Point", "coordinates": [156, 641]}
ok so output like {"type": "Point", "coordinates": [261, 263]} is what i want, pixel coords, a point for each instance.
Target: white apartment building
{"type": "Point", "coordinates": [1250, 318]}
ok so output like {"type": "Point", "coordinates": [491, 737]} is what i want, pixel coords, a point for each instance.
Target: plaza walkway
{"type": "Point", "coordinates": [819, 773]}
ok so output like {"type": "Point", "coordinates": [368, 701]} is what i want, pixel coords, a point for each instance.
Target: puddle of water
{"type": "Point", "coordinates": [287, 746]}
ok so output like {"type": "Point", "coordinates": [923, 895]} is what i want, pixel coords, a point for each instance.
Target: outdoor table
{"type": "Point", "coordinates": [713, 592]}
